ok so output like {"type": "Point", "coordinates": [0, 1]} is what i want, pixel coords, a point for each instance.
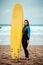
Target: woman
{"type": "Point", "coordinates": [26, 37]}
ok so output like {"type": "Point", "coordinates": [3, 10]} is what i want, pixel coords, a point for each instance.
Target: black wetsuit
{"type": "Point", "coordinates": [24, 41]}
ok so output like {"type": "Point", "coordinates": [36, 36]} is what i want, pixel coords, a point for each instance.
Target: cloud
{"type": "Point", "coordinates": [7, 11]}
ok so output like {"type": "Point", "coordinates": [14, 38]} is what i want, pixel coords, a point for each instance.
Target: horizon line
{"type": "Point", "coordinates": [30, 24]}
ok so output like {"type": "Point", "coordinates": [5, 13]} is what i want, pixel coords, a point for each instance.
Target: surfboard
{"type": "Point", "coordinates": [16, 31]}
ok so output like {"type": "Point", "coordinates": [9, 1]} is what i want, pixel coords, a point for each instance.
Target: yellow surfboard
{"type": "Point", "coordinates": [16, 31]}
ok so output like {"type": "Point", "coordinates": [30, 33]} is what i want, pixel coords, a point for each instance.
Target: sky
{"type": "Point", "coordinates": [33, 10]}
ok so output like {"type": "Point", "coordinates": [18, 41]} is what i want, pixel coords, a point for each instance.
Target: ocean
{"type": "Point", "coordinates": [36, 35]}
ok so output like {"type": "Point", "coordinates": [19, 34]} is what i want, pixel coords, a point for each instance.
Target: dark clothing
{"type": "Point", "coordinates": [24, 41]}
{"type": "Point", "coordinates": [25, 44]}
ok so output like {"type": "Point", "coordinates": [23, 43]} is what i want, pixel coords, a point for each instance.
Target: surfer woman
{"type": "Point", "coordinates": [26, 37]}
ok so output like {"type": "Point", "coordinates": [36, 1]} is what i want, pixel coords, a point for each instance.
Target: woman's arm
{"type": "Point", "coordinates": [28, 32]}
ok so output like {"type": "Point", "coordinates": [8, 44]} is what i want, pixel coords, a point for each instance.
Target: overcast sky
{"type": "Point", "coordinates": [33, 10]}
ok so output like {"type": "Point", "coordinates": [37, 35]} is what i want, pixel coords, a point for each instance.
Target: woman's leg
{"type": "Point", "coordinates": [26, 52]}
{"type": "Point", "coordinates": [25, 44]}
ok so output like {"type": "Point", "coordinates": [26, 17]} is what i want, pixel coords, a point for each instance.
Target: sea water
{"type": "Point", "coordinates": [36, 35]}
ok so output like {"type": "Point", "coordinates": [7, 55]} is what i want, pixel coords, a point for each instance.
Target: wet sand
{"type": "Point", "coordinates": [35, 56]}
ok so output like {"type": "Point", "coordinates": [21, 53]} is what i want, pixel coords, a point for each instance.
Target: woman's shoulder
{"type": "Point", "coordinates": [27, 27]}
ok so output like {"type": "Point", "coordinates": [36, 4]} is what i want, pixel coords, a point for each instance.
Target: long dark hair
{"type": "Point", "coordinates": [27, 22]}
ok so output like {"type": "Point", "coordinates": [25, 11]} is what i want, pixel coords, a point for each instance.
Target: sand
{"type": "Point", "coordinates": [35, 56]}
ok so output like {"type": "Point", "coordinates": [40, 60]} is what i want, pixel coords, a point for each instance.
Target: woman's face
{"type": "Point", "coordinates": [25, 23]}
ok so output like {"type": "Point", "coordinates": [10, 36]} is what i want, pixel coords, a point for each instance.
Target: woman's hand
{"type": "Point", "coordinates": [27, 41]}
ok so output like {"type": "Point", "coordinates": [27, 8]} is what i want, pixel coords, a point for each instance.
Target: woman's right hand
{"type": "Point", "coordinates": [27, 41]}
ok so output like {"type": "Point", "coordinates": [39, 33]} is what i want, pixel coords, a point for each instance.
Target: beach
{"type": "Point", "coordinates": [31, 11]}
{"type": "Point", "coordinates": [35, 47]}
{"type": "Point", "coordinates": [35, 56]}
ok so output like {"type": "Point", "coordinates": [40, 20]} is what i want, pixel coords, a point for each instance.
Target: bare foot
{"type": "Point", "coordinates": [26, 58]}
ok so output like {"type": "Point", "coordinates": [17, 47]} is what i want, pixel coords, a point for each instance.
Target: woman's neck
{"type": "Point", "coordinates": [26, 25]}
